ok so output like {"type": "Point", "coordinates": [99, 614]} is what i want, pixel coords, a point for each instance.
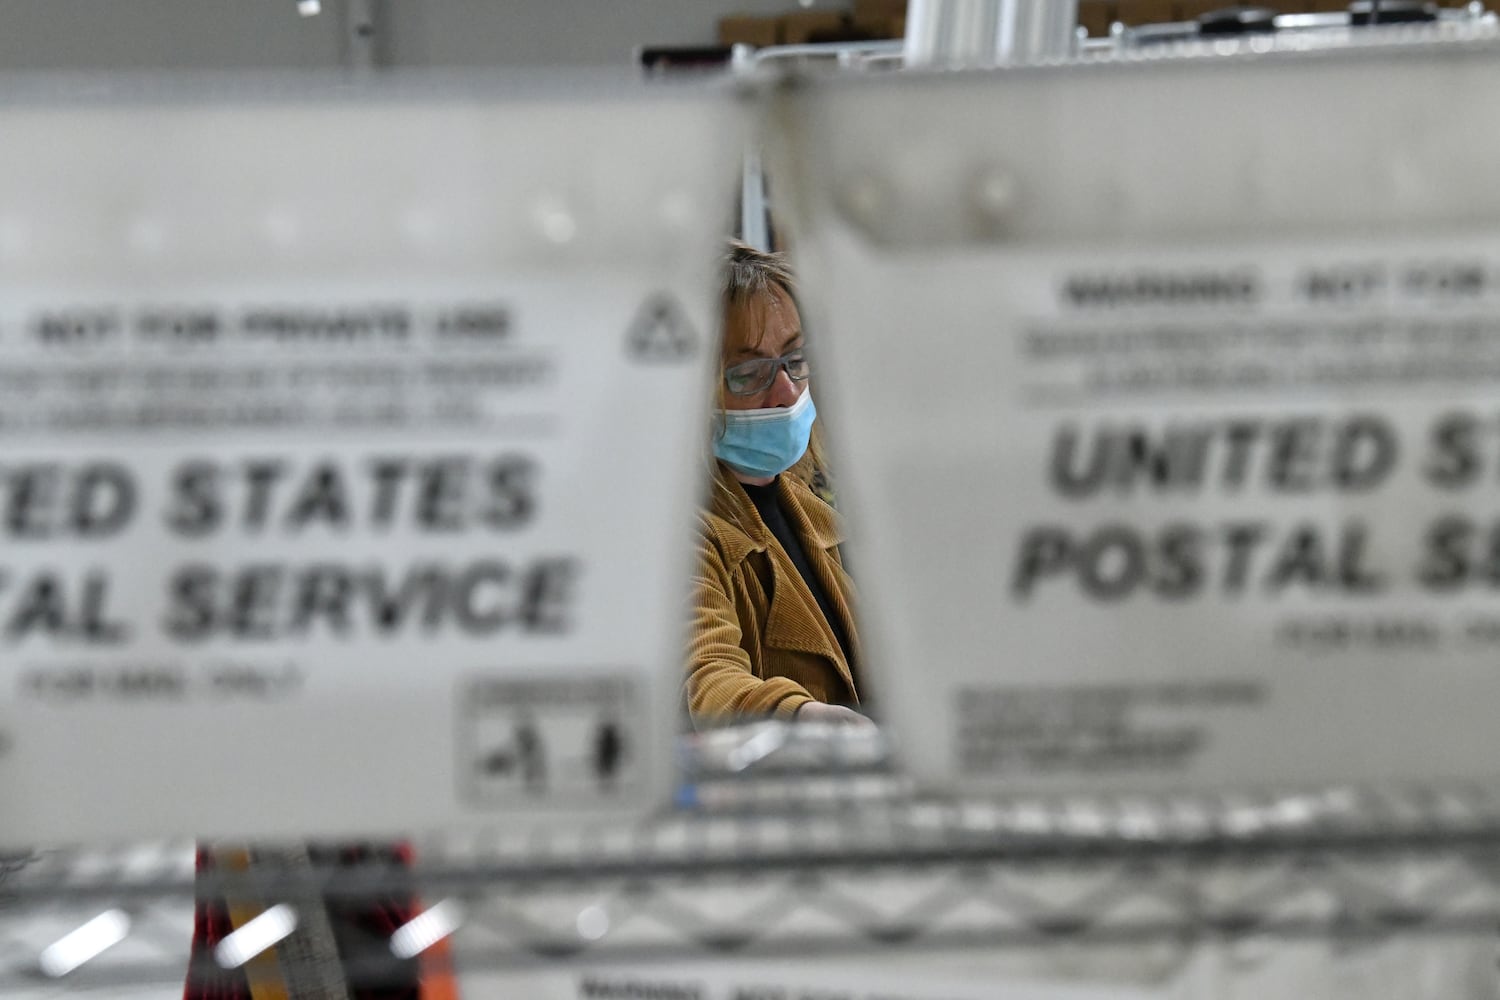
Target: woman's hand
{"type": "Point", "coordinates": [838, 715]}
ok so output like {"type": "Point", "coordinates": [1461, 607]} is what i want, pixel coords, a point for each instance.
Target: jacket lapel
{"type": "Point", "coordinates": [814, 523]}
{"type": "Point", "coordinates": [793, 622]}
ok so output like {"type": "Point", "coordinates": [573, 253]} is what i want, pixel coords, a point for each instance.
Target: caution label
{"type": "Point", "coordinates": [1200, 518]}
{"type": "Point", "coordinates": [276, 489]}
{"type": "Point", "coordinates": [661, 333]}
{"type": "Point", "coordinates": [545, 739]}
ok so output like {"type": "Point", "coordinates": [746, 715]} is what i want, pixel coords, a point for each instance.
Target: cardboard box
{"type": "Point", "coordinates": [756, 31]}
{"type": "Point", "coordinates": [1135, 12]}
{"type": "Point", "coordinates": [809, 26]}
{"type": "Point", "coordinates": [1190, 9]}
{"type": "Point", "coordinates": [1096, 16]}
{"type": "Point", "coordinates": [876, 10]}
{"type": "Point", "coordinates": [880, 27]}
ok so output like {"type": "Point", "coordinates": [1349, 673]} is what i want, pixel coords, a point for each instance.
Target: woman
{"type": "Point", "coordinates": [773, 634]}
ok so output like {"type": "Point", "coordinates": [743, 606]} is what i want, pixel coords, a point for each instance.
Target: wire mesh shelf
{"type": "Point", "coordinates": [788, 841]}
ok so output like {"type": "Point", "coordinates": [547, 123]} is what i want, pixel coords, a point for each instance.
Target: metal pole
{"type": "Point", "coordinates": [924, 19]}
{"type": "Point", "coordinates": [958, 33]}
{"type": "Point", "coordinates": [753, 228]}
{"type": "Point", "coordinates": [1034, 30]}
{"type": "Point", "coordinates": [361, 24]}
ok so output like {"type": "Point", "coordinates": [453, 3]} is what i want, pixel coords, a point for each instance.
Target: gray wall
{"type": "Point", "coordinates": [148, 34]}
{"type": "Point", "coordinates": [239, 34]}
{"type": "Point", "coordinates": [521, 32]}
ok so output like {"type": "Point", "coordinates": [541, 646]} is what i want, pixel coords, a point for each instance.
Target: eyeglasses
{"type": "Point", "coordinates": [750, 377]}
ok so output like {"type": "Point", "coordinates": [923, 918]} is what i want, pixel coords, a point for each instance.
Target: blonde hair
{"type": "Point", "coordinates": [748, 276]}
{"type": "Point", "coordinates": [749, 272]}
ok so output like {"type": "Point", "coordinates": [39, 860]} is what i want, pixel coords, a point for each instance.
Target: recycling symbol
{"type": "Point", "coordinates": [660, 332]}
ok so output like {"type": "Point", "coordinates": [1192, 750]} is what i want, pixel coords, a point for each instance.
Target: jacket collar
{"type": "Point", "coordinates": [814, 521]}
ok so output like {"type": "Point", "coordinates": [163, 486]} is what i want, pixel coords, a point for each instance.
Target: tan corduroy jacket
{"type": "Point", "coordinates": [760, 645]}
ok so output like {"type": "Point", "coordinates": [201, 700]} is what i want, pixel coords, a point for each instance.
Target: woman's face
{"type": "Point", "coordinates": [763, 326]}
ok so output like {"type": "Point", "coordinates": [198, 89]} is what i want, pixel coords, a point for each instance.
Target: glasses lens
{"type": "Point", "coordinates": [750, 377]}
{"type": "Point", "coordinates": [796, 367]}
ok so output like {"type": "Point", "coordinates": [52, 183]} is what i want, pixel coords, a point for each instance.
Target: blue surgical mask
{"type": "Point", "coordinates": [768, 441]}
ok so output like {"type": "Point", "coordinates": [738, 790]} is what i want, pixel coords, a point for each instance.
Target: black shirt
{"type": "Point", "coordinates": [766, 503]}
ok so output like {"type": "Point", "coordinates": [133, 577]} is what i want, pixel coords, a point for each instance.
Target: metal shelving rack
{"type": "Point", "coordinates": [819, 847]}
